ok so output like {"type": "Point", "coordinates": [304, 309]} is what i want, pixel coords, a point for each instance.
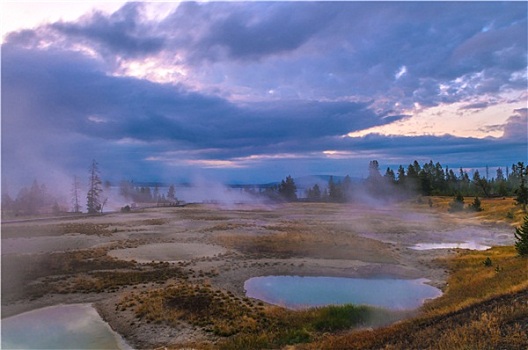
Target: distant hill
{"type": "Point", "coordinates": [303, 182]}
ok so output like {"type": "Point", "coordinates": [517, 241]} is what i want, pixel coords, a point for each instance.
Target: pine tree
{"type": "Point", "coordinates": [521, 237]}
{"type": "Point", "coordinates": [95, 189]}
{"type": "Point", "coordinates": [390, 176]}
{"type": "Point", "coordinates": [334, 190]}
{"type": "Point", "coordinates": [288, 189]}
{"type": "Point", "coordinates": [314, 193]}
{"type": "Point", "coordinates": [171, 194]}
{"type": "Point", "coordinates": [401, 175]}
{"type": "Point", "coordinates": [522, 191]}
{"type": "Point", "coordinates": [346, 188]}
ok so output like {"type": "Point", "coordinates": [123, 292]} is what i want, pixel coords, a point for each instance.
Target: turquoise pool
{"type": "Point", "coordinates": [295, 292]}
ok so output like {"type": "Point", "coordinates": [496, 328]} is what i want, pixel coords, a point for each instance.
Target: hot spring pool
{"type": "Point", "coordinates": [467, 245]}
{"type": "Point", "coordinates": [295, 292]}
{"type": "Point", "coordinates": [76, 326]}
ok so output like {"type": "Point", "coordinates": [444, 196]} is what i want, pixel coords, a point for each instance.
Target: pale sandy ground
{"type": "Point", "coordinates": [377, 244]}
{"type": "Point", "coordinates": [169, 252]}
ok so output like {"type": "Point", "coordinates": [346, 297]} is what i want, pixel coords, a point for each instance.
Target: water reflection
{"type": "Point", "coordinates": [296, 292]}
{"type": "Point", "coordinates": [77, 326]}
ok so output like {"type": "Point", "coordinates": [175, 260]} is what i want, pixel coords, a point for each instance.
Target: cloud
{"type": "Point", "coordinates": [248, 83]}
{"type": "Point", "coordinates": [260, 30]}
{"type": "Point", "coordinates": [400, 72]}
{"type": "Point", "coordinates": [476, 105]}
{"type": "Point", "coordinates": [122, 32]}
{"type": "Point", "coordinates": [321, 50]}
{"type": "Point", "coordinates": [69, 103]}
{"type": "Point", "coordinates": [516, 128]}
{"type": "Point", "coordinates": [137, 109]}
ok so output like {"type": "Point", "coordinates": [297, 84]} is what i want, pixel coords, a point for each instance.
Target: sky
{"type": "Point", "coordinates": [250, 92]}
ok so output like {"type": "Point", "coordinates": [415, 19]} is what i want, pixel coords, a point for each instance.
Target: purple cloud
{"type": "Point", "coordinates": [261, 79]}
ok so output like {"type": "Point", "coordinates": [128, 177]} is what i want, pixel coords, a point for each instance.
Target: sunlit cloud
{"type": "Point", "coordinates": [400, 72]}
{"type": "Point", "coordinates": [214, 163]}
{"type": "Point", "coordinates": [152, 69]}
{"type": "Point", "coordinates": [97, 119]}
{"type": "Point", "coordinates": [462, 119]}
{"type": "Point", "coordinates": [355, 154]}
{"type": "Point", "coordinates": [22, 15]}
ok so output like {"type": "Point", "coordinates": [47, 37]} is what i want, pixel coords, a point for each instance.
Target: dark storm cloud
{"type": "Point", "coordinates": [306, 60]}
{"type": "Point", "coordinates": [122, 32]}
{"type": "Point", "coordinates": [85, 100]}
{"type": "Point", "coordinates": [66, 94]}
{"type": "Point", "coordinates": [264, 29]}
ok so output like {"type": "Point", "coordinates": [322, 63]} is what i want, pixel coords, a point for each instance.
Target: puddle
{"type": "Point", "coordinates": [76, 326]}
{"type": "Point", "coordinates": [465, 245]}
{"type": "Point", "coordinates": [295, 292]}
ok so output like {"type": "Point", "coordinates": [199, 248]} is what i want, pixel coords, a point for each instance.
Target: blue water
{"type": "Point", "coordinates": [77, 326]}
{"type": "Point", "coordinates": [295, 292]}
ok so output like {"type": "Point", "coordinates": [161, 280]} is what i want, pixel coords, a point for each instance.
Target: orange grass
{"type": "Point", "coordinates": [472, 281]}
{"type": "Point", "coordinates": [483, 307]}
{"type": "Point", "coordinates": [494, 210]}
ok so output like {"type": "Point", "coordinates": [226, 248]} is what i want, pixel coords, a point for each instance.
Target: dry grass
{"type": "Point", "coordinates": [294, 239]}
{"type": "Point", "coordinates": [484, 307]}
{"type": "Point", "coordinates": [472, 281]}
{"type": "Point", "coordinates": [102, 229]}
{"type": "Point", "coordinates": [83, 271]}
{"type": "Point", "coordinates": [494, 210]}
{"type": "Point", "coordinates": [87, 229]}
{"type": "Point", "coordinates": [242, 322]}
{"type": "Point", "coordinates": [497, 323]}
{"type": "Point", "coordinates": [100, 281]}
{"type": "Point", "coordinates": [228, 226]}
{"type": "Point", "coordinates": [213, 310]}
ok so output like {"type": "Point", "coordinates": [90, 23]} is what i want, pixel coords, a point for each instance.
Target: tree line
{"type": "Point", "coordinates": [30, 200]}
{"type": "Point", "coordinates": [415, 179]}
{"type": "Point", "coordinates": [429, 179]}
{"type": "Point", "coordinates": [146, 194]}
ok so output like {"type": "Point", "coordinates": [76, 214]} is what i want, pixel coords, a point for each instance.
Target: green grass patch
{"type": "Point", "coordinates": [337, 318]}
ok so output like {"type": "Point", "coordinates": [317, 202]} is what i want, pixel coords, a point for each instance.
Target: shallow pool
{"type": "Point", "coordinates": [76, 326]}
{"type": "Point", "coordinates": [295, 292]}
{"type": "Point", "coordinates": [466, 245]}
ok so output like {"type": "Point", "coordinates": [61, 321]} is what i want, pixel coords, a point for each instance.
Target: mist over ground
{"type": "Point", "coordinates": [376, 190]}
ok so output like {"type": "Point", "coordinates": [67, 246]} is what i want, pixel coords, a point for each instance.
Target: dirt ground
{"type": "Point", "coordinates": [222, 247]}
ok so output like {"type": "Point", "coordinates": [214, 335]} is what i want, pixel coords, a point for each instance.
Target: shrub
{"type": "Point", "coordinates": [457, 204]}
{"type": "Point", "coordinates": [475, 206]}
